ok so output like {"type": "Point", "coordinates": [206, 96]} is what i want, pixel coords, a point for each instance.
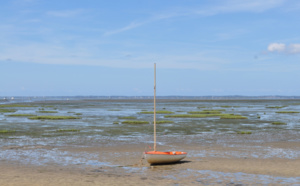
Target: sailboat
{"type": "Point", "coordinates": [158, 157]}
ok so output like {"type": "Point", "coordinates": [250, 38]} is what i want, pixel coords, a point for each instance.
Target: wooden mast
{"type": "Point", "coordinates": [154, 147]}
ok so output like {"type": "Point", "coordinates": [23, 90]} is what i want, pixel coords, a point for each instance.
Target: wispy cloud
{"type": "Point", "coordinates": [231, 6]}
{"type": "Point", "coordinates": [228, 6]}
{"type": "Point", "coordinates": [294, 5]}
{"type": "Point", "coordinates": [294, 48]}
{"type": "Point", "coordinates": [53, 53]}
{"type": "Point", "coordinates": [24, 1]}
{"type": "Point", "coordinates": [65, 13]}
{"type": "Point", "coordinates": [232, 34]}
{"type": "Point", "coordinates": [136, 24]}
{"type": "Point", "coordinates": [283, 48]}
{"type": "Point", "coordinates": [127, 27]}
{"type": "Point", "coordinates": [61, 51]}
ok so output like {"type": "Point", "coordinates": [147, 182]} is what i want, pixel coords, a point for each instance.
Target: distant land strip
{"type": "Point", "coordinates": [4, 99]}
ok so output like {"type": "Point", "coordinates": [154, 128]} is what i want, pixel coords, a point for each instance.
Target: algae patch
{"type": "Point", "coordinates": [244, 132]}
{"type": "Point", "coordinates": [68, 130]}
{"type": "Point", "coordinates": [196, 115]}
{"type": "Point", "coordinates": [16, 105]}
{"type": "Point", "coordinates": [157, 112]}
{"type": "Point", "coordinates": [278, 123]}
{"type": "Point", "coordinates": [53, 117]}
{"type": "Point", "coordinates": [7, 110]}
{"type": "Point", "coordinates": [46, 111]}
{"type": "Point", "coordinates": [233, 117]}
{"type": "Point", "coordinates": [205, 112]}
{"type": "Point", "coordinates": [163, 121]}
{"type": "Point", "coordinates": [127, 117]}
{"type": "Point", "coordinates": [135, 122]}
{"type": "Point", "coordinates": [7, 131]}
{"type": "Point", "coordinates": [21, 115]}
{"type": "Point", "coordinates": [287, 112]}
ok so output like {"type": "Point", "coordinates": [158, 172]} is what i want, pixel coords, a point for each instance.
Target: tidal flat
{"type": "Point", "coordinates": [100, 142]}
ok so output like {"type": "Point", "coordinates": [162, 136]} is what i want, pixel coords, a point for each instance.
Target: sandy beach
{"type": "Point", "coordinates": [230, 162]}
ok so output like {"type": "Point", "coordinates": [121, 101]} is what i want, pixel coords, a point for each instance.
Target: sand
{"type": "Point", "coordinates": [237, 160]}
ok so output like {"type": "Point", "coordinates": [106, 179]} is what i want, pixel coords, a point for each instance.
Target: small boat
{"type": "Point", "coordinates": [158, 157]}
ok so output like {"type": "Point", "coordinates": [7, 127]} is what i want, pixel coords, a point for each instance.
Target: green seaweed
{"type": "Point", "coordinates": [53, 117]}
{"type": "Point", "coordinates": [163, 121]}
{"type": "Point", "coordinates": [278, 123]}
{"type": "Point", "coordinates": [127, 117]}
{"type": "Point", "coordinates": [233, 117]}
{"type": "Point", "coordinates": [21, 115]}
{"type": "Point", "coordinates": [47, 111]}
{"type": "Point", "coordinates": [7, 131]}
{"type": "Point", "coordinates": [226, 106]}
{"type": "Point", "coordinates": [275, 107]}
{"type": "Point", "coordinates": [7, 110]}
{"type": "Point", "coordinates": [157, 112]}
{"type": "Point", "coordinates": [68, 130]}
{"type": "Point", "coordinates": [205, 112]}
{"type": "Point", "coordinates": [195, 115]}
{"type": "Point", "coordinates": [16, 105]}
{"type": "Point", "coordinates": [287, 112]}
{"type": "Point", "coordinates": [134, 122]}
{"type": "Point", "coordinates": [215, 110]}
{"type": "Point", "coordinates": [244, 132]}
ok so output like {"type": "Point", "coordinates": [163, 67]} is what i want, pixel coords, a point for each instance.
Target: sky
{"type": "Point", "coordinates": [108, 48]}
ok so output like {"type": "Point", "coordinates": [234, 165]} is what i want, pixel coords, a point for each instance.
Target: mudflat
{"type": "Point", "coordinates": [258, 144]}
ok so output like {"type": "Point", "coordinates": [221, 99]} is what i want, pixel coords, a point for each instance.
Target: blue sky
{"type": "Point", "coordinates": [201, 47]}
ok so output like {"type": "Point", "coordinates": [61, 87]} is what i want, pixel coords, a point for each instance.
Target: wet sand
{"type": "Point", "coordinates": [211, 160]}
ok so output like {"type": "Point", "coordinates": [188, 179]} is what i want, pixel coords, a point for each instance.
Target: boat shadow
{"type": "Point", "coordinates": [175, 163]}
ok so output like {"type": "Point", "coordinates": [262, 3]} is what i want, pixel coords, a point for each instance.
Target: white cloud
{"type": "Point", "coordinates": [283, 48]}
{"type": "Point", "coordinates": [276, 47]}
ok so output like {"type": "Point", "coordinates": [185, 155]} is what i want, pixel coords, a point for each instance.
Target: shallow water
{"type": "Point", "coordinates": [98, 118]}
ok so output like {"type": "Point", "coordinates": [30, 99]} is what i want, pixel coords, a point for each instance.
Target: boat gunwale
{"type": "Point", "coordinates": [173, 153]}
